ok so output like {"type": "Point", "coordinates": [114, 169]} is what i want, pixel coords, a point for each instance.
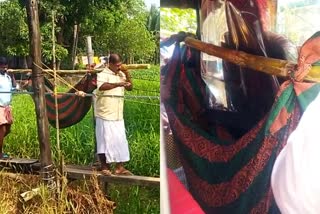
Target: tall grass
{"type": "Point", "coordinates": [78, 144]}
{"type": "Point", "coordinates": [77, 197]}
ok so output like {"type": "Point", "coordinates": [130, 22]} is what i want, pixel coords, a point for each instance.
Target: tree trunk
{"type": "Point", "coordinates": [38, 83]}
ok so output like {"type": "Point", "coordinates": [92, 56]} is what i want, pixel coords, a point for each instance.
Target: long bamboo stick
{"type": "Point", "coordinates": [130, 67]}
{"type": "Point", "coordinates": [270, 66]}
{"type": "Point", "coordinates": [135, 66]}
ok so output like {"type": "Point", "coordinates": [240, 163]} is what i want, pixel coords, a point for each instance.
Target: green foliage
{"type": "Point", "coordinates": [116, 25]}
{"type": "Point", "coordinates": [175, 20]}
{"type": "Point", "coordinates": [153, 26]}
{"type": "Point", "coordinates": [46, 33]}
{"type": "Point", "coordinates": [14, 30]}
{"type": "Point", "coordinates": [153, 22]}
{"type": "Point", "coordinates": [121, 28]}
{"type": "Point", "coordinates": [136, 42]}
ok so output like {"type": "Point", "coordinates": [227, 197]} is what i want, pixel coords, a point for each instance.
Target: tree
{"type": "Point", "coordinates": [116, 25]}
{"type": "Point", "coordinates": [121, 28]}
{"type": "Point", "coordinates": [175, 20]}
{"type": "Point", "coordinates": [153, 25]}
{"type": "Point", "coordinates": [14, 30]}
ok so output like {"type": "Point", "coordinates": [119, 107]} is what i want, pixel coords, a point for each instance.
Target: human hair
{"type": "Point", "coordinates": [114, 58]}
{"type": "Point", "coordinates": [3, 60]}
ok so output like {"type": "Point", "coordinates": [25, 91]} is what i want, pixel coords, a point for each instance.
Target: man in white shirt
{"type": "Point", "coordinates": [6, 119]}
{"type": "Point", "coordinates": [112, 144]}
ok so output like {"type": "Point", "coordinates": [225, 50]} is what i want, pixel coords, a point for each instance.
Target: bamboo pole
{"type": "Point", "coordinates": [90, 52]}
{"type": "Point", "coordinates": [60, 161]}
{"type": "Point", "coordinates": [129, 67]}
{"type": "Point", "coordinates": [135, 66]}
{"type": "Point", "coordinates": [273, 8]}
{"type": "Point", "coordinates": [270, 66]}
{"type": "Point", "coordinates": [74, 46]}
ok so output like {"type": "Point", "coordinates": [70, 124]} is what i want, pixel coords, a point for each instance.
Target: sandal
{"type": "Point", "coordinates": [123, 172]}
{"type": "Point", "coordinates": [106, 172]}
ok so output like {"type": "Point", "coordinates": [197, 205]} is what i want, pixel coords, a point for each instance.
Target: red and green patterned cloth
{"type": "Point", "coordinates": [180, 199]}
{"type": "Point", "coordinates": [224, 175]}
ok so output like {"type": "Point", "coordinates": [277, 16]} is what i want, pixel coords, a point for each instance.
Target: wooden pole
{"type": "Point", "coordinates": [270, 66]}
{"type": "Point", "coordinates": [259, 63]}
{"type": "Point", "coordinates": [273, 8]}
{"type": "Point", "coordinates": [129, 67]}
{"type": "Point", "coordinates": [74, 46]}
{"type": "Point", "coordinates": [38, 83]}
{"type": "Point", "coordinates": [58, 180]}
{"type": "Point", "coordinates": [90, 55]}
{"type": "Point", "coordinates": [90, 52]}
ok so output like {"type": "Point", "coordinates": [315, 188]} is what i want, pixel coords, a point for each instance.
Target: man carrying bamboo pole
{"type": "Point", "coordinates": [112, 144]}
{"type": "Point", "coordinates": [7, 83]}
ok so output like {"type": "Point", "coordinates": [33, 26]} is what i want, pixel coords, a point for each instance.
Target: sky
{"type": "Point", "coordinates": [149, 2]}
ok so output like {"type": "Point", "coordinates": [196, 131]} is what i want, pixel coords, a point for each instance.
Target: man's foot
{"type": "Point", "coordinates": [105, 169]}
{"type": "Point", "coordinates": [122, 171]}
{"type": "Point", "coordinates": [96, 165]}
{"type": "Point", "coordinates": [106, 172]}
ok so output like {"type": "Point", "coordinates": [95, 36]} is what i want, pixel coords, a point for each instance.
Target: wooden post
{"type": "Point", "coordinates": [90, 55]}
{"type": "Point", "coordinates": [74, 46]}
{"type": "Point", "coordinates": [38, 84]}
{"type": "Point", "coordinates": [90, 52]}
{"type": "Point", "coordinates": [273, 9]}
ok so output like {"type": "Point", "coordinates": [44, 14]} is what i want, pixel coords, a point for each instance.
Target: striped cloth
{"type": "Point", "coordinates": [228, 176]}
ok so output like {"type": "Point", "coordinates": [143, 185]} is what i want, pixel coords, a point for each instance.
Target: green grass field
{"type": "Point", "coordinates": [77, 142]}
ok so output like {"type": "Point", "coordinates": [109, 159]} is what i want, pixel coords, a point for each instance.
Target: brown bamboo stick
{"type": "Point", "coordinates": [129, 67]}
{"type": "Point", "coordinates": [135, 66]}
{"type": "Point", "coordinates": [270, 66]}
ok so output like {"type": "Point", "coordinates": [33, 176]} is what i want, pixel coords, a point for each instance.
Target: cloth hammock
{"type": "Point", "coordinates": [226, 175]}
{"type": "Point", "coordinates": [71, 109]}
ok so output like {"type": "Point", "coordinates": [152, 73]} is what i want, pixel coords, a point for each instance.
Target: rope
{"type": "Point", "coordinates": [59, 77]}
{"type": "Point", "coordinates": [91, 95]}
{"type": "Point", "coordinates": [87, 95]}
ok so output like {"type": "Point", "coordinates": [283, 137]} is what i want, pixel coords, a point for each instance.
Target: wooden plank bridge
{"type": "Point", "coordinates": [76, 172]}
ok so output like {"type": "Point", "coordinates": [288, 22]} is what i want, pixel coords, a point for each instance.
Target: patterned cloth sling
{"type": "Point", "coordinates": [225, 175]}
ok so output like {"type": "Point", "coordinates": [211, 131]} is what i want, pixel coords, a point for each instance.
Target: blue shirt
{"type": "Point", "coordinates": [5, 86]}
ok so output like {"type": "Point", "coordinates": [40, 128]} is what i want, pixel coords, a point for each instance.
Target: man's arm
{"type": "Point", "coordinates": [108, 86]}
{"type": "Point", "coordinates": [128, 85]}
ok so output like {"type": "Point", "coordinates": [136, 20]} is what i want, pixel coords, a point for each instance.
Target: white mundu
{"type": "Point", "coordinates": [296, 174]}
{"type": "Point", "coordinates": [110, 127]}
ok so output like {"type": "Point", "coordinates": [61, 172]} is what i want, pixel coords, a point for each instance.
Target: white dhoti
{"type": "Point", "coordinates": [112, 141]}
{"type": "Point", "coordinates": [296, 176]}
